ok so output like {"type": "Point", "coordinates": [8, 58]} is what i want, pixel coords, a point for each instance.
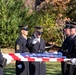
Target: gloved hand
{"type": "Point", "coordinates": [35, 41]}
{"type": "Point", "coordinates": [9, 59]}
{"type": "Point", "coordinates": [55, 52]}
{"type": "Point", "coordinates": [73, 61]}
{"type": "Point", "coordinates": [19, 66]}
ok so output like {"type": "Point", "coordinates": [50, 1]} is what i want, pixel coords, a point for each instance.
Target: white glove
{"type": "Point", "coordinates": [8, 58]}
{"type": "Point", "coordinates": [55, 52]}
{"type": "Point", "coordinates": [19, 66]}
{"type": "Point", "coordinates": [73, 61]}
{"type": "Point", "coordinates": [8, 61]}
{"type": "Point", "coordinates": [35, 41]}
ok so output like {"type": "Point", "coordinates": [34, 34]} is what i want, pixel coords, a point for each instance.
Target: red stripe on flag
{"type": "Point", "coordinates": [31, 59]}
{"type": "Point", "coordinates": [60, 59]}
{"type": "Point", "coordinates": [14, 56]}
{"type": "Point", "coordinates": [45, 59]}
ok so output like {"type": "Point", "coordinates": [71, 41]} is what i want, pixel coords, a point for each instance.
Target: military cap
{"type": "Point", "coordinates": [67, 25]}
{"type": "Point", "coordinates": [38, 29]}
{"type": "Point", "coordinates": [24, 27]}
{"type": "Point", "coordinates": [73, 25]}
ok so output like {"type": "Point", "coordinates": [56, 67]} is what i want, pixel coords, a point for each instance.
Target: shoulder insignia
{"type": "Point", "coordinates": [17, 47]}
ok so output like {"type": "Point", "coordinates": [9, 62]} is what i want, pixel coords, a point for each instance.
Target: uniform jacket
{"type": "Point", "coordinates": [21, 45]}
{"type": "Point", "coordinates": [72, 47]}
{"type": "Point", "coordinates": [38, 47]}
{"type": "Point", "coordinates": [65, 45]}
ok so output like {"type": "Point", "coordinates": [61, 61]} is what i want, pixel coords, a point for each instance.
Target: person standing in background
{"type": "Point", "coordinates": [37, 44]}
{"type": "Point", "coordinates": [22, 68]}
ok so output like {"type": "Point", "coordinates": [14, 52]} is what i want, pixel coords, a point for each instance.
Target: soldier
{"type": "Point", "coordinates": [37, 44]}
{"type": "Point", "coordinates": [64, 48]}
{"type": "Point", "coordinates": [22, 68]}
{"type": "Point", "coordinates": [2, 63]}
{"type": "Point", "coordinates": [72, 48]}
{"type": "Point", "coordinates": [67, 39]}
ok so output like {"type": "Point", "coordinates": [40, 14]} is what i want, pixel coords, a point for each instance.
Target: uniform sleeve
{"type": "Point", "coordinates": [25, 48]}
{"type": "Point", "coordinates": [2, 60]}
{"type": "Point", "coordinates": [75, 45]}
{"type": "Point", "coordinates": [29, 42]}
{"type": "Point", "coordinates": [73, 51]}
{"type": "Point", "coordinates": [18, 46]}
{"type": "Point", "coordinates": [42, 45]}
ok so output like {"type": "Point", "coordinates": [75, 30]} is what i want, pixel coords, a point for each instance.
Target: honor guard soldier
{"type": "Point", "coordinates": [65, 44]}
{"type": "Point", "coordinates": [2, 63]}
{"type": "Point", "coordinates": [37, 44]}
{"type": "Point", "coordinates": [72, 48]}
{"type": "Point", "coordinates": [64, 48]}
{"type": "Point", "coordinates": [22, 68]}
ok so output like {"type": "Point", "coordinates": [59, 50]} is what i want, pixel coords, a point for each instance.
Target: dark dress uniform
{"type": "Point", "coordinates": [65, 46]}
{"type": "Point", "coordinates": [37, 68]}
{"type": "Point", "coordinates": [72, 54]}
{"type": "Point", "coordinates": [72, 48]}
{"type": "Point", "coordinates": [64, 50]}
{"type": "Point", "coordinates": [72, 51]}
{"type": "Point", "coordinates": [20, 47]}
{"type": "Point", "coordinates": [2, 63]}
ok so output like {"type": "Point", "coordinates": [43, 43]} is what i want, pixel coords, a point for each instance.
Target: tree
{"type": "Point", "coordinates": [62, 12]}
{"type": "Point", "coordinates": [12, 14]}
{"type": "Point", "coordinates": [71, 10]}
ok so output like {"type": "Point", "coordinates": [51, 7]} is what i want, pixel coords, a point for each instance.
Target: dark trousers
{"type": "Point", "coordinates": [64, 68]}
{"type": "Point", "coordinates": [72, 69]}
{"type": "Point", "coordinates": [1, 71]}
{"type": "Point", "coordinates": [68, 69]}
{"type": "Point", "coordinates": [37, 68]}
{"type": "Point", "coordinates": [24, 70]}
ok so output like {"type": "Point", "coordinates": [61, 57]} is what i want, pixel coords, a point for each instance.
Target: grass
{"type": "Point", "coordinates": [52, 68]}
{"type": "Point", "coordinates": [9, 69]}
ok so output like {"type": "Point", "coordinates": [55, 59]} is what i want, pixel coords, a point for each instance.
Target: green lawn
{"type": "Point", "coordinates": [52, 68]}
